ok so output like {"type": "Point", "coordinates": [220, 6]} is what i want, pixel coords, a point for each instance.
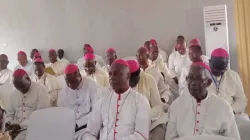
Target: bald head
{"type": "Point", "coordinates": [3, 61]}
{"type": "Point", "coordinates": [119, 76]}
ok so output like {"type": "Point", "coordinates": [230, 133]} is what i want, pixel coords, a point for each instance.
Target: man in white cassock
{"type": "Point", "coordinates": [25, 99]}
{"type": "Point", "coordinates": [5, 73]}
{"type": "Point", "coordinates": [60, 54]}
{"type": "Point", "coordinates": [200, 112]}
{"type": "Point", "coordinates": [123, 114]}
{"type": "Point", "coordinates": [32, 54]}
{"type": "Point", "coordinates": [57, 66]}
{"type": "Point", "coordinates": [164, 90]}
{"type": "Point", "coordinates": [177, 61]}
{"type": "Point", "coordinates": [146, 85]}
{"type": "Point", "coordinates": [195, 55]}
{"type": "Point", "coordinates": [227, 85]}
{"type": "Point", "coordinates": [95, 73]}
{"type": "Point", "coordinates": [163, 56]}
{"type": "Point", "coordinates": [24, 63]}
{"type": "Point", "coordinates": [80, 95]}
{"type": "Point", "coordinates": [110, 58]}
{"type": "Point", "coordinates": [88, 49]}
{"type": "Point", "coordinates": [161, 67]}
{"type": "Point", "coordinates": [43, 78]}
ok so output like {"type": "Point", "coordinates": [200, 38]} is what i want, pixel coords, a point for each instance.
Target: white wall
{"type": "Point", "coordinates": [122, 24]}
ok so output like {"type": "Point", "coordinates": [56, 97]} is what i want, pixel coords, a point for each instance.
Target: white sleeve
{"type": "Point", "coordinates": [230, 127]}
{"type": "Point", "coordinates": [60, 100]}
{"type": "Point", "coordinates": [171, 67]}
{"type": "Point", "coordinates": [182, 81]}
{"type": "Point", "coordinates": [163, 89]}
{"type": "Point", "coordinates": [171, 133]}
{"type": "Point", "coordinates": [240, 100]}
{"type": "Point", "coordinates": [43, 101]}
{"type": "Point", "coordinates": [95, 94]}
{"type": "Point", "coordinates": [142, 121]}
{"type": "Point", "coordinates": [94, 122]}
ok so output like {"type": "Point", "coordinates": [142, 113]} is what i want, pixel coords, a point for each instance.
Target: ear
{"type": "Point", "coordinates": [208, 82]}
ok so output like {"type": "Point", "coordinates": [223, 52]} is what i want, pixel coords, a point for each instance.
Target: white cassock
{"type": "Point", "coordinates": [99, 62]}
{"type": "Point", "coordinates": [81, 101]}
{"type": "Point", "coordinates": [164, 90]}
{"type": "Point", "coordinates": [163, 55]}
{"type": "Point", "coordinates": [23, 105]}
{"type": "Point", "coordinates": [6, 76]}
{"type": "Point", "coordinates": [58, 67]}
{"type": "Point", "coordinates": [231, 89]}
{"type": "Point", "coordinates": [185, 70]}
{"type": "Point", "coordinates": [50, 82]}
{"type": "Point", "coordinates": [99, 76]}
{"type": "Point", "coordinates": [106, 68]}
{"type": "Point", "coordinates": [176, 62]}
{"type": "Point", "coordinates": [65, 61]}
{"type": "Point", "coordinates": [212, 116]}
{"type": "Point", "coordinates": [162, 68]}
{"type": "Point", "coordinates": [148, 87]}
{"type": "Point", "coordinates": [120, 116]}
{"type": "Point", "coordinates": [29, 68]}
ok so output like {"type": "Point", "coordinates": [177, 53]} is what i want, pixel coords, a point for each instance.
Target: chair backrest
{"type": "Point", "coordinates": [61, 81]}
{"type": "Point", "coordinates": [244, 130]}
{"type": "Point", "coordinates": [5, 94]}
{"type": "Point", "coordinates": [52, 124]}
{"type": "Point", "coordinates": [202, 137]}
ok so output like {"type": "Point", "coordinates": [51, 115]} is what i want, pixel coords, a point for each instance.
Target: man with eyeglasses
{"type": "Point", "coordinates": [200, 112]}
{"type": "Point", "coordinates": [227, 85]}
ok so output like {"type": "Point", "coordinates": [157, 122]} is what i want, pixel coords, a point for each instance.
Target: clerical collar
{"type": "Point", "coordinates": [124, 93]}
{"type": "Point", "coordinates": [202, 101]}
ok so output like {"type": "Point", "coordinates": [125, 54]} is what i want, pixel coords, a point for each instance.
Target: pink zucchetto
{"type": "Point", "coordinates": [133, 65]}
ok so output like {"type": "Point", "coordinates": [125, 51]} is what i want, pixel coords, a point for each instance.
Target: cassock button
{"type": "Point", "coordinates": [198, 121]}
{"type": "Point", "coordinates": [197, 129]}
{"type": "Point", "coordinates": [199, 104]}
{"type": "Point", "coordinates": [198, 112]}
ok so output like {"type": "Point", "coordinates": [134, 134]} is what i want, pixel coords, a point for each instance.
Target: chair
{"type": "Point", "coordinates": [202, 137]}
{"type": "Point", "coordinates": [52, 124]}
{"type": "Point", "coordinates": [61, 81]}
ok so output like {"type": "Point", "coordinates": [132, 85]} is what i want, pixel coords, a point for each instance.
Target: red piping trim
{"type": "Point", "coordinates": [140, 134]}
{"type": "Point", "coordinates": [116, 119]}
{"type": "Point", "coordinates": [195, 120]}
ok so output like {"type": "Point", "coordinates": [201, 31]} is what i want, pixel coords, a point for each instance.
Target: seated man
{"type": "Point", "coordinates": [156, 63]}
{"type": "Point", "coordinates": [5, 73]}
{"type": "Point", "coordinates": [24, 63]}
{"type": "Point", "coordinates": [93, 72]}
{"type": "Point", "coordinates": [80, 95]}
{"type": "Point", "coordinates": [57, 66]}
{"type": "Point", "coordinates": [43, 78]}
{"type": "Point", "coordinates": [88, 49]}
{"type": "Point", "coordinates": [145, 84]}
{"type": "Point", "coordinates": [36, 55]}
{"type": "Point", "coordinates": [32, 54]}
{"type": "Point", "coordinates": [162, 54]}
{"type": "Point", "coordinates": [177, 61]}
{"type": "Point", "coordinates": [110, 58]}
{"type": "Point", "coordinates": [27, 98]}
{"type": "Point", "coordinates": [123, 114]}
{"type": "Point", "coordinates": [60, 54]}
{"type": "Point", "coordinates": [195, 55]}
{"type": "Point", "coordinates": [142, 58]}
{"type": "Point", "coordinates": [200, 112]}
{"type": "Point", "coordinates": [227, 84]}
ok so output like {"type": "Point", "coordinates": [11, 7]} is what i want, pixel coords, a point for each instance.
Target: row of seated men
{"type": "Point", "coordinates": [130, 99]}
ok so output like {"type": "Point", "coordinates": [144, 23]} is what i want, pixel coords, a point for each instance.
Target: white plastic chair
{"type": "Point", "coordinates": [52, 124]}
{"type": "Point", "coordinates": [61, 81]}
{"type": "Point", "coordinates": [5, 94]}
{"type": "Point", "coordinates": [202, 137]}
